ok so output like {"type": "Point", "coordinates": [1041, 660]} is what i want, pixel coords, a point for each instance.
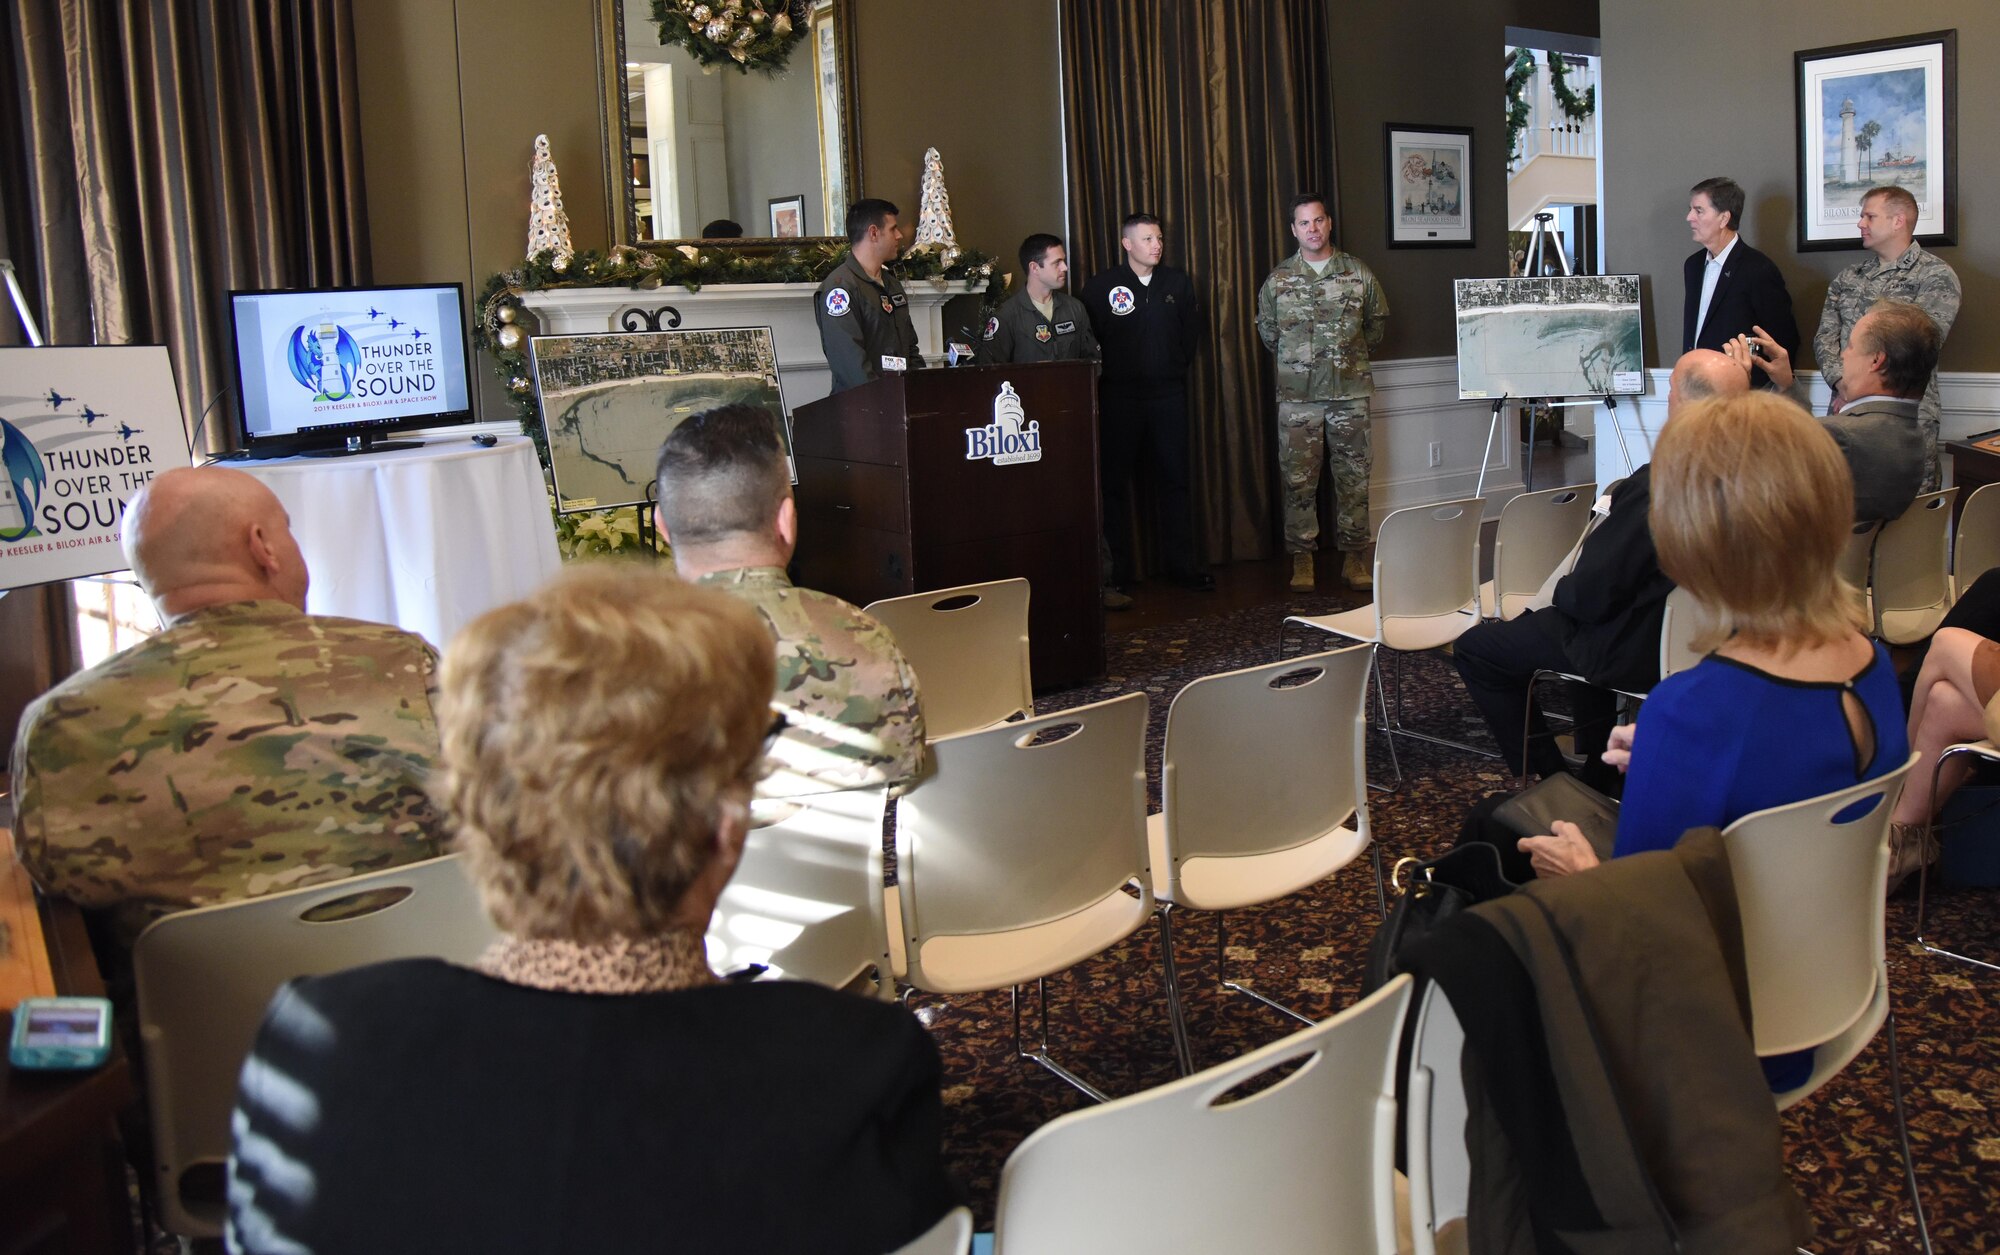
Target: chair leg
{"type": "Point", "coordinates": [1176, 1013]}
{"type": "Point", "coordinates": [1396, 728]}
{"type": "Point", "coordinates": [1923, 879]}
{"type": "Point", "coordinates": [1903, 1134]}
{"type": "Point", "coordinates": [1388, 737]}
{"type": "Point", "coordinates": [1222, 972]}
{"type": "Point", "coordinates": [1040, 1054]}
{"type": "Point", "coordinates": [1381, 893]}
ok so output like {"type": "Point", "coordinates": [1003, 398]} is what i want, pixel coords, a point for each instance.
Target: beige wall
{"type": "Point", "coordinates": [1427, 62]}
{"type": "Point", "coordinates": [1664, 133]}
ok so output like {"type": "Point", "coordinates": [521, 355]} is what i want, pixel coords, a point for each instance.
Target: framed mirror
{"type": "Point", "coordinates": [696, 151]}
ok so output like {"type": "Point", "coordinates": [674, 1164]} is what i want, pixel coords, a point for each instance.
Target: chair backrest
{"type": "Point", "coordinates": [1859, 555]}
{"type": "Point", "coordinates": [1427, 562]}
{"type": "Point", "coordinates": [1265, 759]}
{"type": "Point", "coordinates": [205, 976]}
{"type": "Point", "coordinates": [1190, 1167]}
{"type": "Point", "coordinates": [1911, 576]}
{"type": "Point", "coordinates": [969, 648]}
{"type": "Point", "coordinates": [951, 1235]}
{"type": "Point", "coordinates": [1536, 532]}
{"type": "Point", "coordinates": [806, 900]}
{"type": "Point", "coordinates": [1684, 618]}
{"type": "Point", "coordinates": [1440, 1168]}
{"type": "Point", "coordinates": [1809, 882]}
{"type": "Point", "coordinates": [1977, 549]}
{"type": "Point", "coordinates": [1024, 824]}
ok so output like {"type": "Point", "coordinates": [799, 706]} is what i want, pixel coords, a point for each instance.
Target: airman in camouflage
{"type": "Point", "coordinates": [1320, 311]}
{"type": "Point", "coordinates": [246, 749]}
{"type": "Point", "coordinates": [848, 695]}
{"type": "Point", "coordinates": [852, 716]}
{"type": "Point", "coordinates": [1901, 270]}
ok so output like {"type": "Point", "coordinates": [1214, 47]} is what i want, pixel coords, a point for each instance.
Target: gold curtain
{"type": "Point", "coordinates": [173, 150]}
{"type": "Point", "coordinates": [1212, 115]}
{"type": "Point", "coordinates": [153, 155]}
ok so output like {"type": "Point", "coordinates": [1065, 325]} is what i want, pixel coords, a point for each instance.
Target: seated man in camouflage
{"type": "Point", "coordinates": [246, 749]}
{"type": "Point", "coordinates": [848, 695]}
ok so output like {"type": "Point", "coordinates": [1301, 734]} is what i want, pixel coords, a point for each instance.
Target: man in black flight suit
{"type": "Point", "coordinates": [1149, 322]}
{"type": "Point", "coordinates": [863, 316]}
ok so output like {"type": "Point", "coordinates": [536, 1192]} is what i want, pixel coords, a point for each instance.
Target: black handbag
{"type": "Point", "coordinates": [1428, 893]}
{"type": "Point", "coordinates": [1533, 811]}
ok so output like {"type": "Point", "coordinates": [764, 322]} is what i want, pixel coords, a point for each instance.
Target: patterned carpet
{"type": "Point", "coordinates": [1108, 1017]}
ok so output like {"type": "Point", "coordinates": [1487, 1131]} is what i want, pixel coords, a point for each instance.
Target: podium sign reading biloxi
{"type": "Point", "coordinates": [81, 431]}
{"type": "Point", "coordinates": [1008, 440]}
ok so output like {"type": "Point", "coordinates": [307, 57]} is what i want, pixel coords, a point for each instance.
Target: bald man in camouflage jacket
{"type": "Point", "coordinates": [852, 715]}
{"type": "Point", "coordinates": [247, 748]}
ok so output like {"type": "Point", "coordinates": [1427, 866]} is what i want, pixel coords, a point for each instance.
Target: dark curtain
{"type": "Point", "coordinates": [1212, 115]}
{"type": "Point", "coordinates": [153, 155]}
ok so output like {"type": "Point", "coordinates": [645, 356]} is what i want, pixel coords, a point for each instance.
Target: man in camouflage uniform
{"type": "Point", "coordinates": [1903, 271]}
{"type": "Point", "coordinates": [852, 718]}
{"type": "Point", "coordinates": [246, 749]}
{"type": "Point", "coordinates": [1039, 322]}
{"type": "Point", "coordinates": [1320, 311]}
{"type": "Point", "coordinates": [862, 312]}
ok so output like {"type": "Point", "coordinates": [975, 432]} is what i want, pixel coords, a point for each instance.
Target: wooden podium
{"type": "Point", "coordinates": [900, 491]}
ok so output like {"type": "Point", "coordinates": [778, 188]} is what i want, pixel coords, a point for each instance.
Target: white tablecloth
{"type": "Point", "coordinates": [428, 539]}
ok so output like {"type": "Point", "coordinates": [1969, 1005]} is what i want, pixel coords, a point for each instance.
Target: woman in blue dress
{"type": "Point", "coordinates": [1752, 503]}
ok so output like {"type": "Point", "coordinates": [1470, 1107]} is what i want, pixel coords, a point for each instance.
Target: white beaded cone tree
{"type": "Point", "coordinates": [934, 230]}
{"type": "Point", "coordinates": [548, 225]}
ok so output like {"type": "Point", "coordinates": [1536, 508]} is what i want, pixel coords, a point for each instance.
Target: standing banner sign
{"type": "Point", "coordinates": [81, 432]}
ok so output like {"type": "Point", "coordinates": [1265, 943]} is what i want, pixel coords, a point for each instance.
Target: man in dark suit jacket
{"type": "Point", "coordinates": [1603, 622]}
{"type": "Point", "coordinates": [1730, 286]}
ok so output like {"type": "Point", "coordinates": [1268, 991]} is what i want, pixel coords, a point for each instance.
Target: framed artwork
{"type": "Point", "coordinates": [1875, 114]}
{"type": "Point", "coordinates": [788, 217]}
{"type": "Point", "coordinates": [1429, 177]}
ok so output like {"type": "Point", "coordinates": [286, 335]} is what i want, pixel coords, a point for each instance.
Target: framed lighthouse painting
{"type": "Point", "coordinates": [1878, 114]}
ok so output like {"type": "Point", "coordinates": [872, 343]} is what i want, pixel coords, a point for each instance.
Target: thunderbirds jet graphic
{"type": "Point", "coordinates": [91, 416]}
{"type": "Point", "coordinates": [56, 399]}
{"type": "Point", "coordinates": [126, 432]}
{"type": "Point", "coordinates": [394, 323]}
{"type": "Point", "coordinates": [373, 312]}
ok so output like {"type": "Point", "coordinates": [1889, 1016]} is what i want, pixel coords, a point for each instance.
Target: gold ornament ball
{"type": "Point", "coordinates": [510, 337]}
{"type": "Point", "coordinates": [508, 313]}
{"type": "Point", "coordinates": [518, 384]}
{"type": "Point", "coordinates": [699, 13]}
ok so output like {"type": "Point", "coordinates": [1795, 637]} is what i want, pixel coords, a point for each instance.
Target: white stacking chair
{"type": "Point", "coordinates": [1809, 890]}
{"type": "Point", "coordinates": [1426, 596]}
{"type": "Point", "coordinates": [1977, 547]}
{"type": "Point", "coordinates": [205, 976]}
{"type": "Point", "coordinates": [1911, 573]}
{"type": "Point", "coordinates": [806, 900]}
{"type": "Point", "coordinates": [951, 1235]}
{"type": "Point", "coordinates": [1536, 532]}
{"type": "Point", "coordinates": [969, 648]}
{"type": "Point", "coordinates": [1263, 791]}
{"type": "Point", "coordinates": [1013, 858]}
{"type": "Point", "coordinates": [1440, 1168]}
{"type": "Point", "coordinates": [1306, 1165]}
{"type": "Point", "coordinates": [1858, 557]}
{"type": "Point", "coordinates": [1978, 749]}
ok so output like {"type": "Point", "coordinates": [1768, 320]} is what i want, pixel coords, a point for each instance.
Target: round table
{"type": "Point", "coordinates": [427, 538]}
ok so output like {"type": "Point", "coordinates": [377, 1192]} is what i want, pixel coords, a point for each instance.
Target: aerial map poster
{"type": "Point", "coordinates": [607, 401]}
{"type": "Point", "coordinates": [1560, 336]}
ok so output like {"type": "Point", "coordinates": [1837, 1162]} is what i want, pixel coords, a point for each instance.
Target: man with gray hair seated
{"type": "Point", "coordinates": [849, 696]}
{"type": "Point", "coordinates": [1603, 620]}
{"type": "Point", "coordinates": [247, 748]}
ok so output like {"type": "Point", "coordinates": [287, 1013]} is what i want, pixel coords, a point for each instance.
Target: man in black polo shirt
{"type": "Point", "coordinates": [863, 316]}
{"type": "Point", "coordinates": [1148, 322]}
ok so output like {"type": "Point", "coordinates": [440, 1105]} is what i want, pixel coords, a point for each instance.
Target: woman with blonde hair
{"type": "Point", "coordinates": [1752, 504]}
{"type": "Point", "coordinates": [591, 1085]}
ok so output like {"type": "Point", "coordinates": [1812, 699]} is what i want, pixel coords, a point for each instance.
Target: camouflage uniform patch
{"type": "Point", "coordinates": [1321, 327]}
{"type": "Point", "coordinates": [1919, 277]}
{"type": "Point", "coordinates": [853, 715]}
{"type": "Point", "coordinates": [247, 749]}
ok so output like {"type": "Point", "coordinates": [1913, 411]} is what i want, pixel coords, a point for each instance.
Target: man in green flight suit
{"type": "Point", "coordinates": [1320, 311]}
{"type": "Point", "coordinates": [863, 315]}
{"type": "Point", "coordinates": [1040, 322]}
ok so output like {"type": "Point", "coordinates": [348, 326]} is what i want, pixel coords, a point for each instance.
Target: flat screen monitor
{"type": "Point", "coordinates": [336, 368]}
